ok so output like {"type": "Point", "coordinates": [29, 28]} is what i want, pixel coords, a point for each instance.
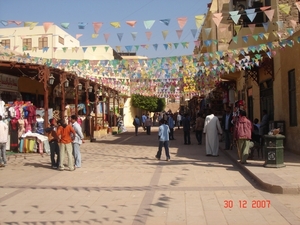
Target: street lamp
{"type": "Point", "coordinates": [79, 86]}
{"type": "Point", "coordinates": [51, 79]}
{"type": "Point", "coordinates": [66, 83]}
{"type": "Point", "coordinates": [90, 89]}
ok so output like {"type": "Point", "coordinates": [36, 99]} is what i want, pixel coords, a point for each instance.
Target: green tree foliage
{"type": "Point", "coordinates": [161, 105]}
{"type": "Point", "coordinates": [151, 104]}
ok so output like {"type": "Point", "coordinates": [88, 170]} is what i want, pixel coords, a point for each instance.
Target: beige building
{"type": "Point", "coordinates": [272, 84]}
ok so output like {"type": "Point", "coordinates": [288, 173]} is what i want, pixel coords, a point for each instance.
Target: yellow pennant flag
{"type": "Point", "coordinates": [94, 35]}
{"type": "Point", "coordinates": [115, 24]}
{"type": "Point", "coordinates": [237, 28]}
{"type": "Point", "coordinates": [266, 35]}
{"type": "Point", "coordinates": [199, 19]}
{"type": "Point", "coordinates": [286, 8]}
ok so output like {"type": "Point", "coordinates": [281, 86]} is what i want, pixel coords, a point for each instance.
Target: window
{"type": "Point", "coordinates": [27, 44]}
{"type": "Point", "coordinates": [6, 43]}
{"type": "Point", "coordinates": [292, 98]}
{"type": "Point", "coordinates": [43, 42]}
{"type": "Point", "coordinates": [61, 40]}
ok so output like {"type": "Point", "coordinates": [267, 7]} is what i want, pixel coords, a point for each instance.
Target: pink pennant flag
{"type": "Point", "coordinates": [270, 14]}
{"type": "Point", "coordinates": [179, 33]}
{"type": "Point", "coordinates": [78, 35]}
{"type": "Point", "coordinates": [18, 22]}
{"type": "Point", "coordinates": [131, 23]}
{"type": "Point", "coordinates": [217, 18]}
{"type": "Point", "coordinates": [181, 21]}
{"type": "Point", "coordinates": [148, 35]}
{"type": "Point", "coordinates": [106, 36]}
{"type": "Point", "coordinates": [47, 25]}
{"type": "Point", "coordinates": [251, 27]}
{"type": "Point", "coordinates": [15, 47]}
{"type": "Point", "coordinates": [97, 26]}
{"type": "Point", "coordinates": [264, 8]}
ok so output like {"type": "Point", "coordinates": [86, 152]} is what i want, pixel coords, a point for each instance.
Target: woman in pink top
{"type": "Point", "coordinates": [243, 130]}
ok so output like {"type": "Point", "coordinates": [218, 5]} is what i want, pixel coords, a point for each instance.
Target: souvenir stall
{"type": "Point", "coordinates": [25, 129]}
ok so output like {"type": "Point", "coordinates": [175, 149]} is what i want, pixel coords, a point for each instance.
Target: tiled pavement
{"type": "Point", "coordinates": [122, 183]}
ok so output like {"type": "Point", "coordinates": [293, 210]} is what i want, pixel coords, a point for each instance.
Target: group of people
{"type": "Point", "coordinates": [239, 130]}
{"type": "Point", "coordinates": [65, 140]}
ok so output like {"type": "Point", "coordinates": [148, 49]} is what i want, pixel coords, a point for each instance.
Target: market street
{"type": "Point", "coordinates": [121, 182]}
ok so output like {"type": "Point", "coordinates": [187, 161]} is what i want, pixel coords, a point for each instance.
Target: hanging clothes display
{"type": "Point", "coordinates": [14, 140]}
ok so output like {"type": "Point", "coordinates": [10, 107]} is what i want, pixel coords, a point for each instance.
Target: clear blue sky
{"type": "Point", "coordinates": [106, 11]}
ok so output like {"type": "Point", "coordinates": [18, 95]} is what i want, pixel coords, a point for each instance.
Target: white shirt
{"type": "Point", "coordinates": [3, 132]}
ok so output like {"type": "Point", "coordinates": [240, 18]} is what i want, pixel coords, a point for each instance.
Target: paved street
{"type": "Point", "coordinates": [122, 183]}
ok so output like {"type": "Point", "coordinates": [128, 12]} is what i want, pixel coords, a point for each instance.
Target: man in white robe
{"type": "Point", "coordinates": [211, 128]}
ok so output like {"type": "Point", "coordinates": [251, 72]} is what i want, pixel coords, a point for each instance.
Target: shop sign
{"type": "Point", "coordinates": [8, 82]}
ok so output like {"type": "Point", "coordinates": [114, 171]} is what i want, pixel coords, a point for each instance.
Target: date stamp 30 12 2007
{"type": "Point", "coordinates": [243, 204]}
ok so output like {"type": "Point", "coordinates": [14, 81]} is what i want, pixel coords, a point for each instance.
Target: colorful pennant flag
{"type": "Point", "coordinates": [131, 23]}
{"type": "Point", "coordinates": [181, 22]}
{"type": "Point", "coordinates": [65, 25]}
{"type": "Point", "coordinates": [120, 36]}
{"type": "Point", "coordinates": [165, 21]}
{"type": "Point", "coordinates": [148, 24]}
{"type": "Point", "coordinates": [194, 32]}
{"type": "Point", "coordinates": [217, 18]}
{"type": "Point", "coordinates": [4, 22]}
{"type": "Point", "coordinates": [81, 25]}
{"type": "Point", "coordinates": [148, 35]}
{"type": "Point", "coordinates": [251, 14]}
{"type": "Point", "coordinates": [199, 19]}
{"type": "Point", "coordinates": [165, 34]}
{"type": "Point", "coordinates": [106, 36]}
{"type": "Point", "coordinates": [155, 46]}
{"type": "Point", "coordinates": [286, 8]}
{"type": "Point", "coordinates": [128, 48]}
{"type": "Point", "coordinates": [97, 26]}
{"type": "Point", "coordinates": [47, 25]}
{"type": "Point", "coordinates": [179, 33]}
{"type": "Point", "coordinates": [270, 14]}
{"type": "Point", "coordinates": [133, 34]}
{"type": "Point", "coordinates": [78, 36]}
{"type": "Point", "coordinates": [115, 24]}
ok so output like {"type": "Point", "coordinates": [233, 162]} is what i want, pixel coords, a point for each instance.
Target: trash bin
{"type": "Point", "coordinates": [273, 151]}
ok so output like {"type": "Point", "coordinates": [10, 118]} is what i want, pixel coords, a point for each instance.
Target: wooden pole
{"type": "Point", "coordinates": [63, 97]}
{"type": "Point", "coordinates": [44, 74]}
{"type": "Point", "coordinates": [76, 82]}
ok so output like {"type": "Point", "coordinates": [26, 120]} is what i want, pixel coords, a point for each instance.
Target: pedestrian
{"type": "Point", "coordinates": [186, 124]}
{"type": "Point", "coordinates": [243, 128]}
{"type": "Point", "coordinates": [178, 120]}
{"type": "Point", "coordinates": [65, 133]}
{"type": "Point", "coordinates": [136, 124]}
{"type": "Point", "coordinates": [77, 141]}
{"type": "Point", "coordinates": [148, 124]}
{"type": "Point", "coordinates": [3, 140]}
{"type": "Point", "coordinates": [199, 128]}
{"type": "Point", "coordinates": [53, 138]}
{"type": "Point", "coordinates": [144, 117]}
{"type": "Point", "coordinates": [226, 125]}
{"type": "Point", "coordinates": [163, 136]}
{"type": "Point", "coordinates": [171, 126]}
{"type": "Point", "coordinates": [211, 129]}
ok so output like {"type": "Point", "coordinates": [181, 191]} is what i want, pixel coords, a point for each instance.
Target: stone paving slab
{"type": "Point", "coordinates": [284, 180]}
{"type": "Point", "coordinates": [122, 183]}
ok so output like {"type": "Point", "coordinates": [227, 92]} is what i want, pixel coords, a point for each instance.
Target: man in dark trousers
{"type": "Point", "coordinates": [186, 124]}
{"type": "Point", "coordinates": [227, 126]}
